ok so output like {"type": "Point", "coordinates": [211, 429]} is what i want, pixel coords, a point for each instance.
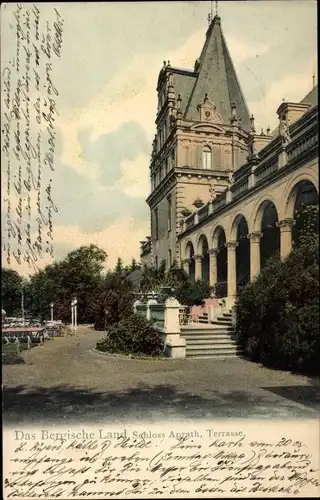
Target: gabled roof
{"type": "Point", "coordinates": [217, 78]}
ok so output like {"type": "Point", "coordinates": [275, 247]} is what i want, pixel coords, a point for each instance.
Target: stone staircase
{"type": "Point", "coordinates": [210, 340]}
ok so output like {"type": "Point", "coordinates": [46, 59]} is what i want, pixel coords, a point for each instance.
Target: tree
{"type": "Point", "coordinates": [191, 293]}
{"type": "Point", "coordinates": [119, 267]}
{"type": "Point", "coordinates": [134, 265]}
{"type": "Point", "coordinates": [306, 225]}
{"type": "Point", "coordinates": [11, 288]}
{"type": "Point", "coordinates": [78, 275]}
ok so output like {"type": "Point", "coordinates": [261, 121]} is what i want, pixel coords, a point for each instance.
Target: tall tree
{"type": "Point", "coordinates": [119, 266]}
{"type": "Point", "coordinates": [78, 275]}
{"type": "Point", "coordinates": [11, 290]}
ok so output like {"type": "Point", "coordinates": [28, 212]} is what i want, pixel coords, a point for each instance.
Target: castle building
{"type": "Point", "coordinates": [224, 197]}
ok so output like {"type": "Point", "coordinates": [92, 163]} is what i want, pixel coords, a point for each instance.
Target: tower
{"type": "Point", "coordinates": [203, 127]}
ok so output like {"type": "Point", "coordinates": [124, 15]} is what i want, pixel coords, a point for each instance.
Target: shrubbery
{"type": "Point", "coordinates": [278, 313]}
{"type": "Point", "coordinates": [192, 292]}
{"type": "Point", "coordinates": [133, 334]}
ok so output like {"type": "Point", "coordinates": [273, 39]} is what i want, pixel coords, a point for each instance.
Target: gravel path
{"type": "Point", "coordinates": [65, 381]}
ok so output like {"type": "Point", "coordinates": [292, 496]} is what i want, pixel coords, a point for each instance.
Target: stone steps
{"type": "Point", "coordinates": [209, 352]}
{"type": "Point", "coordinates": [211, 340]}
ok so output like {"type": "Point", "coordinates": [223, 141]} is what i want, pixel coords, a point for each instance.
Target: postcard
{"type": "Point", "coordinates": [160, 280]}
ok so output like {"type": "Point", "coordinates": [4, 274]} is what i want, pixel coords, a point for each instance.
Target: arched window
{"type": "Point", "coordinates": [206, 158]}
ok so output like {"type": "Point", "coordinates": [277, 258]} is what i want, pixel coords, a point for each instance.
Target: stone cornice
{"type": "Point", "coordinates": [185, 171]}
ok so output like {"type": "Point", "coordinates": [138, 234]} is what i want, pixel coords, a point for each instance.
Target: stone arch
{"type": "Point", "coordinates": [189, 249]}
{"type": "Point", "coordinates": [219, 241]}
{"type": "Point", "coordinates": [239, 233]}
{"type": "Point", "coordinates": [258, 210]}
{"type": "Point", "coordinates": [303, 193]}
{"type": "Point", "coordinates": [304, 187]}
{"type": "Point", "coordinates": [203, 250]}
{"type": "Point", "coordinates": [216, 232]}
{"type": "Point", "coordinates": [269, 228]}
{"type": "Point", "coordinates": [189, 253]}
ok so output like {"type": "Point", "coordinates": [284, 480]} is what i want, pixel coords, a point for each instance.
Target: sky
{"type": "Point", "coordinates": [110, 60]}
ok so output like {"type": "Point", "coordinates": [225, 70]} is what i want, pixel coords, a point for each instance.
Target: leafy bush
{"type": "Point", "coordinates": [278, 313]}
{"type": "Point", "coordinates": [133, 334]}
{"type": "Point", "coordinates": [192, 293]}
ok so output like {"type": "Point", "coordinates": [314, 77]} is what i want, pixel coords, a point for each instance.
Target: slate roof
{"type": "Point", "coordinates": [312, 97]}
{"type": "Point", "coordinates": [135, 278]}
{"type": "Point", "coordinates": [216, 77]}
{"type": "Point", "coordinates": [183, 81]}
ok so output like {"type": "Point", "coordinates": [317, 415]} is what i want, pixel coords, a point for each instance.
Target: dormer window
{"type": "Point", "coordinates": [206, 158]}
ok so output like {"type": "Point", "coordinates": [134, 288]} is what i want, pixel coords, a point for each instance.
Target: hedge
{"type": "Point", "coordinates": [278, 313]}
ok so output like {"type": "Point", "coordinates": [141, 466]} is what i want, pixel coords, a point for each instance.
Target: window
{"type": "Point", "coordinates": [156, 224]}
{"type": "Point", "coordinates": [206, 158]}
{"type": "Point", "coordinates": [156, 262]}
{"type": "Point", "coordinates": [170, 257]}
{"type": "Point", "coordinates": [169, 213]}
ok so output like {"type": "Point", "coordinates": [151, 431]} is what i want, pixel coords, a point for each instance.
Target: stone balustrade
{"type": "Point", "coordinates": [240, 187]}
{"type": "Point", "coordinates": [265, 170]}
{"type": "Point", "coordinates": [167, 318]}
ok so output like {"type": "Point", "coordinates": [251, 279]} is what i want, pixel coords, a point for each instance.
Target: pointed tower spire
{"type": "Point", "coordinates": [216, 77]}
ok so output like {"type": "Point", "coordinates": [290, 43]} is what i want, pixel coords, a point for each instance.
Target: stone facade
{"type": "Point", "coordinates": [223, 196]}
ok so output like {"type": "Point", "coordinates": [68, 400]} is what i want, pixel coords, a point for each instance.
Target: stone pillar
{"type": "Point", "coordinates": [285, 237]}
{"type": "Point", "coordinates": [185, 265]}
{"type": "Point", "coordinates": [213, 266]}
{"type": "Point", "coordinates": [198, 267]}
{"type": "Point", "coordinates": [254, 254]}
{"type": "Point", "coordinates": [282, 158]}
{"type": "Point", "coordinates": [148, 312]}
{"type": "Point", "coordinates": [232, 272]}
{"type": "Point", "coordinates": [135, 304]}
{"type": "Point", "coordinates": [175, 346]}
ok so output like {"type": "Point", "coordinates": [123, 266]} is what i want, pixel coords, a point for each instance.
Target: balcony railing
{"type": "Point", "coordinates": [190, 222]}
{"type": "Point", "coordinates": [239, 188]}
{"type": "Point", "coordinates": [219, 202]}
{"type": "Point", "coordinates": [203, 212]}
{"type": "Point", "coordinates": [266, 170]}
{"type": "Point", "coordinates": [300, 146]}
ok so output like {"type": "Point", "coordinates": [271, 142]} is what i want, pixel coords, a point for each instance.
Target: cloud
{"type": "Point", "coordinates": [134, 180]}
{"type": "Point", "coordinates": [292, 87]}
{"type": "Point", "coordinates": [119, 239]}
{"type": "Point", "coordinates": [242, 50]}
{"type": "Point", "coordinates": [130, 96]}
